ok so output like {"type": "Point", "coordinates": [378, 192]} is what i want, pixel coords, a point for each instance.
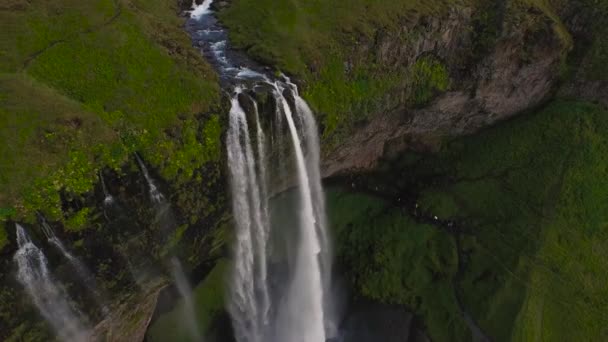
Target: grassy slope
{"type": "Point", "coordinates": [85, 83]}
{"type": "Point", "coordinates": [531, 193]}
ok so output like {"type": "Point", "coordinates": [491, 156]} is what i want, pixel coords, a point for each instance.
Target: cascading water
{"type": "Point", "coordinates": [82, 271]}
{"type": "Point", "coordinates": [200, 10]}
{"type": "Point", "coordinates": [249, 286]}
{"type": "Point", "coordinates": [155, 195]}
{"type": "Point", "coordinates": [47, 295]}
{"type": "Point", "coordinates": [299, 314]}
{"type": "Point", "coordinates": [280, 283]}
{"type": "Point", "coordinates": [303, 315]}
{"type": "Point", "coordinates": [313, 162]}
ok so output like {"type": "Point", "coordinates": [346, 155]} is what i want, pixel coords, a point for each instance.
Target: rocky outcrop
{"type": "Point", "coordinates": [129, 322]}
{"type": "Point", "coordinates": [514, 67]}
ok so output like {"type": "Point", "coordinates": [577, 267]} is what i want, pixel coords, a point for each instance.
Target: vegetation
{"type": "Point", "coordinates": [528, 198]}
{"type": "Point", "coordinates": [392, 259]}
{"type": "Point", "coordinates": [428, 76]}
{"type": "Point", "coordinates": [78, 221]}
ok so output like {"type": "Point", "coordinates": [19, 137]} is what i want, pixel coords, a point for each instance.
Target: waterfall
{"type": "Point", "coordinates": [249, 285]}
{"type": "Point", "coordinates": [185, 291]}
{"type": "Point", "coordinates": [83, 273]}
{"type": "Point", "coordinates": [299, 315]}
{"type": "Point", "coordinates": [288, 299]}
{"type": "Point", "coordinates": [108, 199]}
{"type": "Point", "coordinates": [304, 309]}
{"type": "Point", "coordinates": [155, 195]}
{"type": "Point", "coordinates": [48, 297]}
{"type": "Point", "coordinates": [318, 197]}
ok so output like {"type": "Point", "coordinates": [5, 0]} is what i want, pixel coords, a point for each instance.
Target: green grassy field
{"type": "Point", "coordinates": [85, 84]}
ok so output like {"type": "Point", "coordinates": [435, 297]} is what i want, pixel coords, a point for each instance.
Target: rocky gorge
{"type": "Point", "coordinates": [462, 147]}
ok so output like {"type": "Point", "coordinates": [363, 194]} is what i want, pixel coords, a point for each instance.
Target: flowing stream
{"type": "Point", "coordinates": [47, 295]}
{"type": "Point", "coordinates": [275, 296]}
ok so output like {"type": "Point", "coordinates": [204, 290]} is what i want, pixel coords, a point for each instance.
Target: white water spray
{"type": "Point", "coordinates": [200, 10]}
{"type": "Point", "coordinates": [48, 297]}
{"type": "Point", "coordinates": [250, 299]}
{"type": "Point", "coordinates": [186, 292]}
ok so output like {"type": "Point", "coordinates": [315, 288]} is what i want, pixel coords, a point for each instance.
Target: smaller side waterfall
{"type": "Point", "coordinates": [46, 294]}
{"type": "Point", "coordinates": [165, 218]}
{"type": "Point", "coordinates": [79, 267]}
{"type": "Point", "coordinates": [86, 277]}
{"type": "Point", "coordinates": [108, 199]}
{"type": "Point", "coordinates": [155, 195]}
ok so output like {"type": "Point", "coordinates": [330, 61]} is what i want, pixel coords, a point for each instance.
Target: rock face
{"type": "Point", "coordinates": [514, 68]}
{"type": "Point", "coordinates": [130, 321]}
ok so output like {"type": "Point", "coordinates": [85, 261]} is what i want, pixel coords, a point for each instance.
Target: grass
{"type": "Point", "coordinates": [531, 193]}
{"type": "Point", "coordinates": [85, 84]}
{"type": "Point", "coordinates": [208, 298]}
